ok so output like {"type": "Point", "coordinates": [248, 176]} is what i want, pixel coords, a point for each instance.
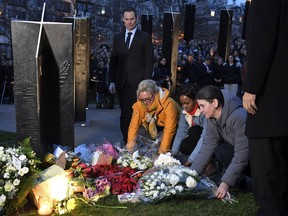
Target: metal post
{"type": "Point", "coordinates": [146, 23]}
{"type": "Point", "coordinates": [225, 33]}
{"type": "Point", "coordinates": [189, 22]}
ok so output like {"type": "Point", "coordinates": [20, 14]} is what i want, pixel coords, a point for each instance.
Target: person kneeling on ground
{"type": "Point", "coordinates": [225, 137]}
{"type": "Point", "coordinates": [154, 111]}
{"type": "Point", "coordinates": [191, 128]}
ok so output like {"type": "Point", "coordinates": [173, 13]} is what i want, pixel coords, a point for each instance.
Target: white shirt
{"type": "Point", "coordinates": [132, 35]}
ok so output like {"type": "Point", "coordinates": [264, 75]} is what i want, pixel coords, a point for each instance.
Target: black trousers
{"type": "Point", "coordinates": [127, 97]}
{"type": "Point", "coordinates": [189, 143]}
{"type": "Point", "coordinates": [269, 167]}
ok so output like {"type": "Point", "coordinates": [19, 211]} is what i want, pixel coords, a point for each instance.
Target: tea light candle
{"type": "Point", "coordinates": [45, 206]}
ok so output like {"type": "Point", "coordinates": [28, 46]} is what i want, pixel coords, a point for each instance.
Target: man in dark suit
{"type": "Point", "coordinates": [266, 91]}
{"type": "Point", "coordinates": [131, 62]}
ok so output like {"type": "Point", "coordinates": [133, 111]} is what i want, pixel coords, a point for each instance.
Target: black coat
{"type": "Point", "coordinates": [267, 73]}
{"type": "Point", "coordinates": [231, 74]}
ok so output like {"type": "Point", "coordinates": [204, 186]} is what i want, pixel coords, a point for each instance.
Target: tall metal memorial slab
{"type": "Point", "coordinates": [224, 33]}
{"type": "Point", "coordinates": [171, 29]}
{"type": "Point", "coordinates": [189, 20]}
{"type": "Point", "coordinates": [44, 83]}
{"type": "Point", "coordinates": [147, 23]}
{"type": "Point", "coordinates": [81, 47]}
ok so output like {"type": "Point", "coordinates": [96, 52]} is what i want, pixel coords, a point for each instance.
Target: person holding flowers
{"type": "Point", "coordinates": [154, 111]}
{"type": "Point", "coordinates": [225, 137]}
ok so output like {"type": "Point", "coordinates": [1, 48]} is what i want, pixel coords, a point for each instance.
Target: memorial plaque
{"type": "Point", "coordinates": [81, 46]}
{"type": "Point", "coordinates": [44, 83]}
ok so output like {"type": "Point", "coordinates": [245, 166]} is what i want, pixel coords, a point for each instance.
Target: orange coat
{"type": "Point", "coordinates": [167, 115]}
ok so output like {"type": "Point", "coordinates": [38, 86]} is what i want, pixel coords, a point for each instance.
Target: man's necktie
{"type": "Point", "coordinates": [128, 39]}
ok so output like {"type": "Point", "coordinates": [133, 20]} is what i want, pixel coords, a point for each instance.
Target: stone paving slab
{"type": "Point", "coordinates": [100, 124]}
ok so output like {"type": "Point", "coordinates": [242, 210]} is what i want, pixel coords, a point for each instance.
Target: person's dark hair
{"type": "Point", "coordinates": [130, 9]}
{"type": "Point", "coordinates": [190, 90]}
{"type": "Point", "coordinates": [231, 56]}
{"type": "Point", "coordinates": [209, 93]}
{"type": "Point", "coordinates": [191, 54]}
{"type": "Point", "coordinates": [160, 59]}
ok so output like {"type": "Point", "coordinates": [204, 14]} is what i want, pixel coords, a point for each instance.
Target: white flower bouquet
{"type": "Point", "coordinates": [134, 161]}
{"type": "Point", "coordinates": [168, 178]}
{"type": "Point", "coordinates": [159, 183]}
{"type": "Point", "coordinates": [18, 168]}
{"type": "Point", "coordinates": [166, 160]}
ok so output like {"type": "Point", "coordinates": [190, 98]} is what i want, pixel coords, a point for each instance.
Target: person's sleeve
{"type": "Point", "coordinates": [211, 139]}
{"type": "Point", "coordinates": [197, 148]}
{"type": "Point", "coordinates": [113, 63]}
{"type": "Point", "coordinates": [134, 126]}
{"type": "Point", "coordinates": [172, 112]}
{"type": "Point", "coordinates": [241, 149]}
{"type": "Point", "coordinates": [181, 133]}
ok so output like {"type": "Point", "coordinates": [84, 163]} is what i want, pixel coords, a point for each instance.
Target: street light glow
{"type": "Point", "coordinates": [212, 13]}
{"type": "Point", "coordinates": [103, 11]}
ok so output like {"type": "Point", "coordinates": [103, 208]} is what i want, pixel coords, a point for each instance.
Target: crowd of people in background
{"type": "Point", "coordinates": [197, 56]}
{"type": "Point", "coordinates": [198, 62]}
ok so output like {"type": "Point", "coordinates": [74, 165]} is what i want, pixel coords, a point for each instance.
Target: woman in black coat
{"type": "Point", "coordinates": [231, 75]}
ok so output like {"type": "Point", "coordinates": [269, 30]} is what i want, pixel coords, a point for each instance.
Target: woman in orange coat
{"type": "Point", "coordinates": [154, 111]}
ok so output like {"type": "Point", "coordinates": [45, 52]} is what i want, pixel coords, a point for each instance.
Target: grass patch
{"type": "Point", "coordinates": [176, 206]}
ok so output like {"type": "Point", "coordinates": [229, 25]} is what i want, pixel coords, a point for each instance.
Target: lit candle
{"type": "Point", "coordinates": [45, 206]}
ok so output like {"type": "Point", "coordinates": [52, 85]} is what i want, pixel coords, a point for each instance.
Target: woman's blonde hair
{"type": "Point", "coordinates": [147, 85]}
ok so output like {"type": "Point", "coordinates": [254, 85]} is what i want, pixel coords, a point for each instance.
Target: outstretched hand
{"type": "Point", "coordinates": [222, 191]}
{"type": "Point", "coordinates": [187, 164]}
{"type": "Point", "coordinates": [130, 146]}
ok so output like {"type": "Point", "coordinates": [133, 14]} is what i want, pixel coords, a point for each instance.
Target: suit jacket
{"type": "Point", "coordinates": [267, 72]}
{"type": "Point", "coordinates": [130, 66]}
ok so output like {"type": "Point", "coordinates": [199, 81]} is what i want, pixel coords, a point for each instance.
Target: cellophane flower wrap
{"type": "Point", "coordinates": [148, 147]}
{"type": "Point", "coordinates": [165, 182]}
{"type": "Point", "coordinates": [18, 169]}
{"type": "Point", "coordinates": [168, 178]}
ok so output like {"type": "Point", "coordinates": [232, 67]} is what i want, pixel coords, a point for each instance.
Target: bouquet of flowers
{"type": "Point", "coordinates": [148, 147]}
{"type": "Point", "coordinates": [101, 188]}
{"type": "Point", "coordinates": [165, 182]}
{"type": "Point", "coordinates": [122, 179]}
{"type": "Point", "coordinates": [18, 169]}
{"type": "Point", "coordinates": [169, 178]}
{"type": "Point", "coordinates": [134, 161]}
{"type": "Point", "coordinates": [166, 160]}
